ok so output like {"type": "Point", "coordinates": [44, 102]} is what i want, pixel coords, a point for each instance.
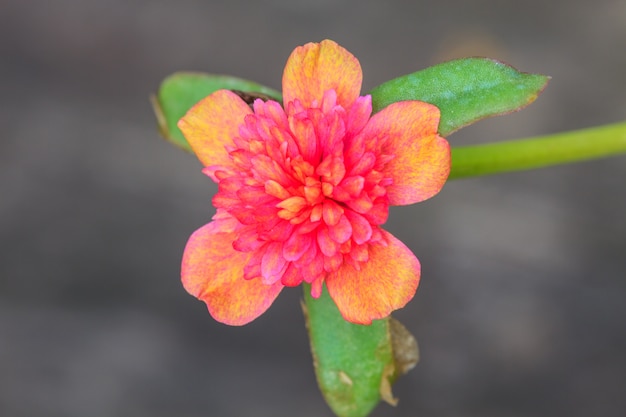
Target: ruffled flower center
{"type": "Point", "coordinates": [307, 189]}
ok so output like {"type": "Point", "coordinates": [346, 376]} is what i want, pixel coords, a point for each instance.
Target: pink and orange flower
{"type": "Point", "coordinates": [304, 189]}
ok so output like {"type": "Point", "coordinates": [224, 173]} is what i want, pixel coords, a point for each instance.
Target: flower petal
{"type": "Point", "coordinates": [213, 272]}
{"type": "Point", "coordinates": [211, 125]}
{"type": "Point", "coordinates": [386, 282]}
{"type": "Point", "coordinates": [314, 68]}
{"type": "Point", "coordinates": [421, 158]}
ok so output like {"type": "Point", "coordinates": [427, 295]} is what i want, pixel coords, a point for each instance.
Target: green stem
{"type": "Point", "coordinates": [537, 152]}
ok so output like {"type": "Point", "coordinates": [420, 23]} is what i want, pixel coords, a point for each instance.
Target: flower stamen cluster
{"type": "Point", "coordinates": [308, 190]}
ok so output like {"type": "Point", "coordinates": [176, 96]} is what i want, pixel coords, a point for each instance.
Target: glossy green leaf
{"type": "Point", "coordinates": [465, 90]}
{"type": "Point", "coordinates": [180, 91]}
{"type": "Point", "coordinates": [355, 365]}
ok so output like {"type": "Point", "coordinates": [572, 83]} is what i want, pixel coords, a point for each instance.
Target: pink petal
{"type": "Point", "coordinates": [212, 271]}
{"type": "Point", "coordinates": [296, 246]}
{"type": "Point", "coordinates": [273, 264]}
{"type": "Point", "coordinates": [211, 125]}
{"type": "Point", "coordinates": [421, 158]}
{"type": "Point", "coordinates": [386, 282]}
{"type": "Point", "coordinates": [331, 212]}
{"type": "Point", "coordinates": [342, 231]}
{"type": "Point", "coordinates": [326, 244]}
{"type": "Point", "coordinates": [361, 228]}
{"type": "Point", "coordinates": [314, 68]}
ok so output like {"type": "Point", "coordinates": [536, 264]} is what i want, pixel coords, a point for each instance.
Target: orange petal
{"type": "Point", "coordinates": [386, 282]}
{"type": "Point", "coordinates": [421, 162]}
{"type": "Point", "coordinates": [212, 271]}
{"type": "Point", "coordinates": [211, 125]}
{"type": "Point", "coordinates": [316, 67]}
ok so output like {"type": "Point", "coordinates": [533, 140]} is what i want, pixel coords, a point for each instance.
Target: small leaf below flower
{"type": "Point", "coordinates": [355, 364]}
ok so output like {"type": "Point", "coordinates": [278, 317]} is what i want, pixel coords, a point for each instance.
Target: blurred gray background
{"type": "Point", "coordinates": [521, 308]}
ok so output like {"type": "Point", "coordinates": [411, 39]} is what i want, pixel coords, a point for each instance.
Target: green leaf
{"type": "Point", "coordinates": [465, 90]}
{"type": "Point", "coordinates": [355, 365]}
{"type": "Point", "coordinates": [180, 91]}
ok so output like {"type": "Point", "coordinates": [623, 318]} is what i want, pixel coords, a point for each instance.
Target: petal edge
{"type": "Point", "coordinates": [421, 158]}
{"type": "Point", "coordinates": [211, 124]}
{"type": "Point", "coordinates": [386, 282]}
{"type": "Point", "coordinates": [212, 271]}
{"type": "Point", "coordinates": [314, 68]}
